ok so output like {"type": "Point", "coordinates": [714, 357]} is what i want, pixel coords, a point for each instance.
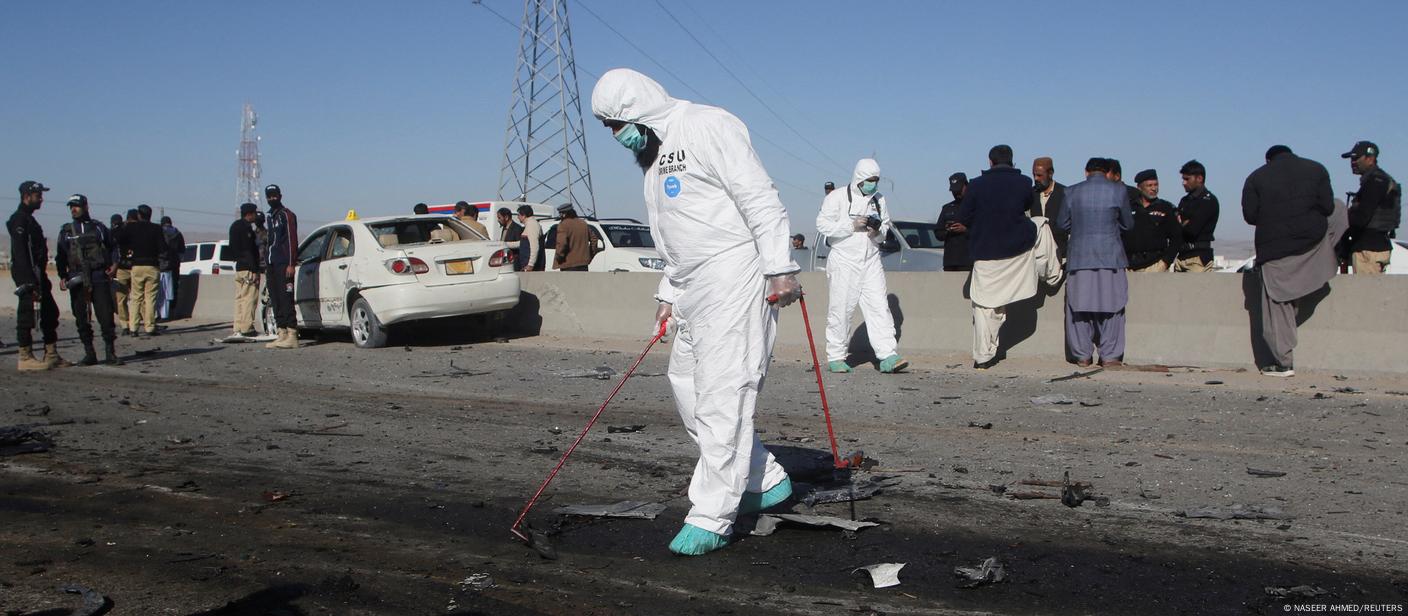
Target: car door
{"type": "Point", "coordinates": [308, 277]}
{"type": "Point", "coordinates": [334, 274]}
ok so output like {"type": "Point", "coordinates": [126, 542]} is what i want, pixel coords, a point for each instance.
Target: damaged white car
{"type": "Point", "coordinates": [367, 275]}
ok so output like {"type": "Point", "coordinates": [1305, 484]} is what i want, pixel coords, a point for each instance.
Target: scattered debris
{"type": "Point", "coordinates": [477, 582]}
{"type": "Point", "coordinates": [1320, 396]}
{"type": "Point", "coordinates": [625, 509]}
{"type": "Point", "coordinates": [1235, 512]}
{"type": "Point", "coordinates": [854, 492]}
{"type": "Point", "coordinates": [987, 425]}
{"type": "Point", "coordinates": [1213, 382]}
{"type": "Point", "coordinates": [237, 338]}
{"type": "Point", "coordinates": [1296, 592]}
{"type": "Point", "coordinates": [1347, 390]}
{"type": "Point", "coordinates": [453, 372]}
{"type": "Point", "coordinates": [1054, 399]}
{"type": "Point", "coordinates": [1256, 472]}
{"type": "Point", "coordinates": [883, 575]}
{"type": "Point", "coordinates": [20, 439]}
{"type": "Point", "coordinates": [94, 603]}
{"type": "Point", "coordinates": [625, 429]}
{"type": "Point", "coordinates": [324, 431]}
{"type": "Point", "coordinates": [1076, 375]}
{"type": "Point", "coordinates": [1072, 494]}
{"type": "Point", "coordinates": [602, 373]}
{"type": "Point", "coordinates": [34, 410]}
{"type": "Point", "coordinates": [538, 540]}
{"type": "Point", "coordinates": [990, 571]}
{"type": "Point", "coordinates": [274, 496]}
{"type": "Point", "coordinates": [555, 430]}
{"type": "Point", "coordinates": [767, 523]}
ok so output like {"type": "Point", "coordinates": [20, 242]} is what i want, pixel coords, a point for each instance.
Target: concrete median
{"type": "Point", "coordinates": [1175, 319]}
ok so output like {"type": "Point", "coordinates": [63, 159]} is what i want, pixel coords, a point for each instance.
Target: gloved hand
{"type": "Point", "coordinates": [783, 289]}
{"type": "Point", "coordinates": [663, 314]}
{"type": "Point", "coordinates": [859, 224]}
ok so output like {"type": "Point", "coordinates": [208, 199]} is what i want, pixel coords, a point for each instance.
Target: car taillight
{"type": "Point", "coordinates": [408, 265]}
{"type": "Point", "coordinates": [499, 258]}
{"type": "Point", "coordinates": [215, 268]}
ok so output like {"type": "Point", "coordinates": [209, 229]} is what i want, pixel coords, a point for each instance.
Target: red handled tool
{"type": "Point", "coordinates": [532, 501]}
{"type": "Point", "coordinates": [852, 459]}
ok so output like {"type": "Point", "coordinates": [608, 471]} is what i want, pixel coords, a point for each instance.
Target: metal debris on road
{"type": "Point", "coordinates": [1075, 375]}
{"type": "Point", "coordinates": [883, 575]}
{"type": "Point", "coordinates": [602, 373]}
{"type": "Point", "coordinates": [477, 582]}
{"type": "Point", "coordinates": [987, 425]}
{"type": "Point", "coordinates": [624, 429]}
{"type": "Point", "coordinates": [625, 509]}
{"type": "Point", "coordinates": [1295, 592]}
{"type": "Point", "coordinates": [16, 440]}
{"type": "Point", "coordinates": [274, 496]}
{"type": "Point", "coordinates": [94, 603]}
{"type": "Point", "coordinates": [990, 571]}
{"type": "Point", "coordinates": [767, 523]}
{"type": "Point", "coordinates": [34, 410]}
{"type": "Point", "coordinates": [1054, 399]}
{"type": "Point", "coordinates": [1236, 512]}
{"type": "Point", "coordinates": [854, 492]}
{"type": "Point", "coordinates": [1264, 473]}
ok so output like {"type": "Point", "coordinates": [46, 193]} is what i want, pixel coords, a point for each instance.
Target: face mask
{"type": "Point", "coordinates": [631, 137]}
{"type": "Point", "coordinates": [867, 188]}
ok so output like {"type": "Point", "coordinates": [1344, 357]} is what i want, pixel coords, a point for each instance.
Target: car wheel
{"type": "Point", "coordinates": [367, 331]}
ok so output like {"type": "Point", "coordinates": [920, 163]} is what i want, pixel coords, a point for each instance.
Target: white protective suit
{"type": "Point", "coordinates": [853, 267]}
{"type": "Point", "coordinates": [720, 228]}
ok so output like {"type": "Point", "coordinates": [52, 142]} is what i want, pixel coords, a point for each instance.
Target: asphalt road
{"type": "Point", "coordinates": [205, 478]}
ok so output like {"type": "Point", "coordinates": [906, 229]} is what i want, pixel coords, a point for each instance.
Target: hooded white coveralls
{"type": "Point", "coordinates": [720, 228]}
{"type": "Point", "coordinates": [853, 268]}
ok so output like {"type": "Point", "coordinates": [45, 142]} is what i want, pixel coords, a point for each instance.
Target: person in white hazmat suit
{"type": "Point", "coordinates": [855, 221]}
{"type": "Point", "coordinates": [723, 234]}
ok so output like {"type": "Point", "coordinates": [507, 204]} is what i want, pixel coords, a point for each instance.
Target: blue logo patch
{"type": "Point", "coordinates": [672, 187]}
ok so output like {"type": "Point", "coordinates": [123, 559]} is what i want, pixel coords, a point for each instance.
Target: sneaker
{"type": "Point", "coordinates": [249, 334]}
{"type": "Point", "coordinates": [1278, 370]}
{"type": "Point", "coordinates": [838, 367]}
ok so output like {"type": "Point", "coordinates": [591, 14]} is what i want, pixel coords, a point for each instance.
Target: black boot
{"type": "Point", "coordinates": [111, 353]}
{"type": "Point", "coordinates": [90, 356]}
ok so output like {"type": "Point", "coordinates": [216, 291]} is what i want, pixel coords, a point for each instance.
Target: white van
{"type": "Point", "coordinates": [208, 258]}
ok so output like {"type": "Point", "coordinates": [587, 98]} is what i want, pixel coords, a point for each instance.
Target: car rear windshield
{"type": "Point", "coordinates": [412, 231]}
{"type": "Point", "coordinates": [628, 236]}
{"type": "Point", "coordinates": [919, 235]}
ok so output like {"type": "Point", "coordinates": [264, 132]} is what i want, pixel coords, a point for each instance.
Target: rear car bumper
{"type": "Point", "coordinates": [413, 301]}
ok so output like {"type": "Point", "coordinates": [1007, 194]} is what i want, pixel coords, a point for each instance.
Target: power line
{"type": "Point", "coordinates": [746, 88]}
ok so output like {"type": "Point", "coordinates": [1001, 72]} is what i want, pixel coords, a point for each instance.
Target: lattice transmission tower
{"type": "Point", "coordinates": [545, 147]}
{"type": "Point", "coordinates": [247, 188]}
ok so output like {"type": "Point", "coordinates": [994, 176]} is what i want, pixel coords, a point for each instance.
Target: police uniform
{"type": "Point", "coordinates": [84, 255]}
{"type": "Point", "coordinates": [29, 255]}
{"type": "Point", "coordinates": [1198, 211]}
{"type": "Point", "coordinates": [1374, 212]}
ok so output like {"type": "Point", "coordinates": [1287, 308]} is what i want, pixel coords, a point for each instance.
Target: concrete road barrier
{"type": "Point", "coordinates": [1361, 324]}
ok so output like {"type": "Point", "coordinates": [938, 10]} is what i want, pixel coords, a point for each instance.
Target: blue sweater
{"type": "Point", "coordinates": [995, 211]}
{"type": "Point", "coordinates": [1096, 211]}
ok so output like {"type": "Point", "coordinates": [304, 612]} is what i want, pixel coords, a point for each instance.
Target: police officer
{"type": "Point", "coordinates": [1197, 216]}
{"type": "Point", "coordinates": [28, 259]}
{"type": "Point", "coordinates": [1373, 211]}
{"type": "Point", "coordinates": [85, 264]}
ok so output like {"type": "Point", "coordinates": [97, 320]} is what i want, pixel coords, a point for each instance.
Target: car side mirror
{"type": "Point", "coordinates": [890, 245]}
{"type": "Point", "coordinates": [600, 245]}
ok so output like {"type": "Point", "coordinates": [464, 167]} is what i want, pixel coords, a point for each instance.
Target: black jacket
{"type": "Point", "coordinates": [1199, 210]}
{"type": "Point", "coordinates": [29, 251]}
{"type": "Point", "coordinates": [68, 253]}
{"type": "Point", "coordinates": [1374, 212]}
{"type": "Point", "coordinates": [144, 240]}
{"type": "Point", "coordinates": [170, 260]}
{"type": "Point", "coordinates": [1054, 205]}
{"type": "Point", "coordinates": [995, 211]}
{"type": "Point", "coordinates": [244, 245]}
{"type": "Point", "coordinates": [1155, 236]}
{"type": "Point", "coordinates": [955, 244]}
{"type": "Point", "coordinates": [1289, 201]}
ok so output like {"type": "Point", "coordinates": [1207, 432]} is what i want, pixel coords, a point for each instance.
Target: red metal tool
{"type": "Point", "coordinates": [852, 459]}
{"type": "Point", "coordinates": [532, 501]}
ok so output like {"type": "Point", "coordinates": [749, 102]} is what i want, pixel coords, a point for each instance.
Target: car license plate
{"type": "Point", "coordinates": [462, 266]}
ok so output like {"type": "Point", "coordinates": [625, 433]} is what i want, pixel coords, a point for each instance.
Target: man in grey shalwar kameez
{"type": "Point", "coordinates": [1096, 211]}
{"type": "Point", "coordinates": [1290, 202]}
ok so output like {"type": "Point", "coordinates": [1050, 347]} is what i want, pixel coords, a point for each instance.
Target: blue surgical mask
{"type": "Point", "coordinates": [631, 137]}
{"type": "Point", "coordinates": [867, 188]}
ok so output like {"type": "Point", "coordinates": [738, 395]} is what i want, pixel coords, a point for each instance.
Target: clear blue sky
{"type": "Point", "coordinates": [376, 106]}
